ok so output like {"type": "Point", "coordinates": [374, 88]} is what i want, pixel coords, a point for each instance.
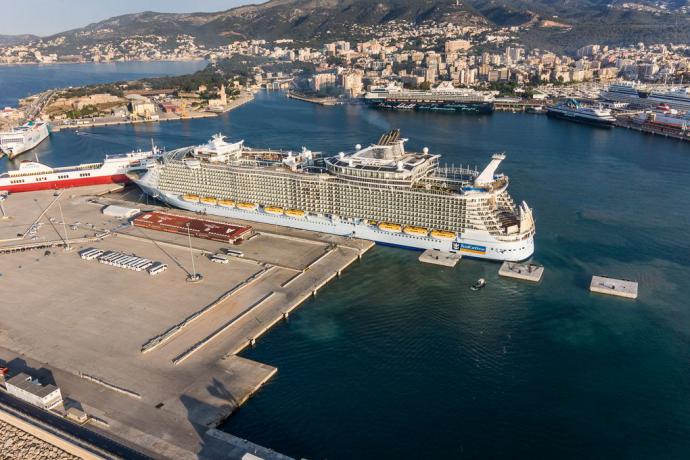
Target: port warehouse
{"type": "Point", "coordinates": [199, 228]}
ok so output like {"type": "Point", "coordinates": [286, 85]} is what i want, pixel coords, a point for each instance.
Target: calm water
{"type": "Point", "coordinates": [23, 80]}
{"type": "Point", "coordinates": [401, 360]}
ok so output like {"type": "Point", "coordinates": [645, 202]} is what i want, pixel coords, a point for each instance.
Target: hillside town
{"type": "Point", "coordinates": [408, 55]}
{"type": "Point", "coordinates": [413, 54]}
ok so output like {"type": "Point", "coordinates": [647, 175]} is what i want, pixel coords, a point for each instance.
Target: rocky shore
{"type": "Point", "coordinates": [15, 443]}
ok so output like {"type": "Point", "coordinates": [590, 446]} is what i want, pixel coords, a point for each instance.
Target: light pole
{"type": "Point", "coordinates": [64, 225]}
{"type": "Point", "coordinates": [2, 208]}
{"type": "Point", "coordinates": [194, 276]}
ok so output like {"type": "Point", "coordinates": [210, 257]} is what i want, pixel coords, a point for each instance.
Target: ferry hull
{"type": "Point", "coordinates": [467, 244]}
{"type": "Point", "coordinates": [67, 183]}
{"type": "Point", "coordinates": [582, 120]}
{"type": "Point", "coordinates": [460, 107]}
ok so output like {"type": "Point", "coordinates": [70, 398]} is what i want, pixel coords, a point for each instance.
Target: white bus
{"type": "Point", "coordinates": [157, 268]}
{"type": "Point", "coordinates": [233, 252]}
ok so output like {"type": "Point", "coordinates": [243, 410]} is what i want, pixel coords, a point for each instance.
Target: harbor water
{"type": "Point", "coordinates": [398, 359]}
{"type": "Point", "coordinates": [17, 81]}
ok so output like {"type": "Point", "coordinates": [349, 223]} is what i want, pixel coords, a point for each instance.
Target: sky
{"type": "Point", "coordinates": [47, 17]}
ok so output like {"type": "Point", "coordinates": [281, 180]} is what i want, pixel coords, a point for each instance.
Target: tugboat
{"type": "Point", "coordinates": [479, 284]}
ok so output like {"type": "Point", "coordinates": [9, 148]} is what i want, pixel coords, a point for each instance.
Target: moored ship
{"type": "Point", "coordinates": [636, 96]}
{"type": "Point", "coordinates": [665, 117]}
{"type": "Point", "coordinates": [572, 110]}
{"type": "Point", "coordinates": [445, 98]}
{"type": "Point", "coordinates": [33, 176]}
{"type": "Point", "coordinates": [380, 193]}
{"type": "Point", "coordinates": [22, 139]}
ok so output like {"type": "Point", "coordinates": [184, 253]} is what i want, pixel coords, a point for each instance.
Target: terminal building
{"type": "Point", "coordinates": [33, 391]}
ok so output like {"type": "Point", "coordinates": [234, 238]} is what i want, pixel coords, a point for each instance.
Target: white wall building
{"type": "Point", "coordinates": [31, 390]}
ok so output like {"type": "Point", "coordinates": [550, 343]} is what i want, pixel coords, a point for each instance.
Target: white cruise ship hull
{"type": "Point", "coordinates": [469, 244]}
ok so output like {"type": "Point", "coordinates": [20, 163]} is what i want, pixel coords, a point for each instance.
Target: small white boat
{"type": "Point", "coordinates": [480, 283]}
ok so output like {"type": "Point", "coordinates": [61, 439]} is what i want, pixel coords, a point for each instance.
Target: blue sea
{"type": "Point", "coordinates": [18, 81]}
{"type": "Point", "coordinates": [396, 359]}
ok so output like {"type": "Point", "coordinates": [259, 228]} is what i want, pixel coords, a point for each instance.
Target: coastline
{"type": "Point", "coordinates": [42, 64]}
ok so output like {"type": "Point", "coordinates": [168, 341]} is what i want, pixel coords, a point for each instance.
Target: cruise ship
{"type": "Point", "coordinates": [31, 175]}
{"type": "Point", "coordinates": [381, 193]}
{"type": "Point", "coordinates": [572, 110]}
{"type": "Point", "coordinates": [444, 97]}
{"type": "Point", "coordinates": [625, 91]}
{"type": "Point", "coordinates": [633, 94]}
{"type": "Point", "coordinates": [19, 140]}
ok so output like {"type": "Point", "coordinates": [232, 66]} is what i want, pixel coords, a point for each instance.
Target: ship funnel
{"type": "Point", "coordinates": [487, 176]}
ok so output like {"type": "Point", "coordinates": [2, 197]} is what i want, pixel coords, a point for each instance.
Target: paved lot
{"type": "Point", "coordinates": [86, 322]}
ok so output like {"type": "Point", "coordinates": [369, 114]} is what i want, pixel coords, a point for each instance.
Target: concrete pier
{"type": "Point", "coordinates": [612, 286]}
{"type": "Point", "coordinates": [445, 259]}
{"type": "Point", "coordinates": [151, 360]}
{"type": "Point", "coordinates": [527, 272]}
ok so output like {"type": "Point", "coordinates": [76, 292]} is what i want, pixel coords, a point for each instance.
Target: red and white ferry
{"type": "Point", "coordinates": [32, 175]}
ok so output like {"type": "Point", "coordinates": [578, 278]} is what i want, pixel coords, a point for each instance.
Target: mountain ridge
{"type": "Point", "coordinates": [606, 21]}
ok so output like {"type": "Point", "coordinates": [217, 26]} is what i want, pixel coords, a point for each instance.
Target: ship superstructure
{"type": "Point", "coordinates": [633, 94]}
{"type": "Point", "coordinates": [19, 140]}
{"type": "Point", "coordinates": [380, 192]}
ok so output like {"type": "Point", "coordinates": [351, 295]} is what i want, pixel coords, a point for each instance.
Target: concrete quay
{"type": "Point", "coordinates": [650, 128]}
{"type": "Point", "coordinates": [112, 339]}
{"type": "Point", "coordinates": [612, 286]}
{"type": "Point", "coordinates": [527, 272]}
{"type": "Point", "coordinates": [445, 259]}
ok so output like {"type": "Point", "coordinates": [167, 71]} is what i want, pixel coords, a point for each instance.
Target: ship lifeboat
{"type": "Point", "coordinates": [443, 235]}
{"type": "Point", "coordinates": [226, 203]}
{"type": "Point", "coordinates": [247, 206]}
{"type": "Point", "coordinates": [209, 200]}
{"type": "Point", "coordinates": [416, 231]}
{"type": "Point", "coordinates": [191, 198]}
{"type": "Point", "coordinates": [395, 228]}
{"type": "Point", "coordinates": [295, 213]}
{"type": "Point", "coordinates": [273, 210]}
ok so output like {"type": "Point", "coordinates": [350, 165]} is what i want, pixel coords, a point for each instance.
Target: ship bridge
{"type": "Point", "coordinates": [386, 161]}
